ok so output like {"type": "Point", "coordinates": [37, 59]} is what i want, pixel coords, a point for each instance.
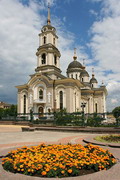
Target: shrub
{"type": "Point", "coordinates": [116, 112]}
{"type": "Point", "coordinates": [62, 118]}
{"type": "Point", "coordinates": [94, 121]}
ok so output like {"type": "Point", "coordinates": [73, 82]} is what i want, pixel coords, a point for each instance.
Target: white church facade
{"type": "Point", "coordinates": [48, 90]}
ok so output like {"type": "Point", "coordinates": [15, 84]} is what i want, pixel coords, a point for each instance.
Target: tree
{"type": "Point", "coordinates": [116, 112]}
{"type": "Point", "coordinates": [11, 111]}
{"type": "Point", "coordinates": [1, 112]}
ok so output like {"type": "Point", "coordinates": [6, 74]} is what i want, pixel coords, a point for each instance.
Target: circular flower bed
{"type": "Point", "coordinates": [58, 160]}
{"type": "Point", "coordinates": [109, 138]}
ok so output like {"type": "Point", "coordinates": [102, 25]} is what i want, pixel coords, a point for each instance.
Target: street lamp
{"type": "Point", "coordinates": [83, 104]}
{"type": "Point", "coordinates": [31, 114]}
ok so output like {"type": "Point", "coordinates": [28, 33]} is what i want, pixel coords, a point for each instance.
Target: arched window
{"type": "Point", "coordinates": [54, 41]}
{"type": "Point", "coordinates": [61, 100]}
{"type": "Point", "coordinates": [49, 111]}
{"type": "Point", "coordinates": [44, 40]}
{"type": "Point", "coordinates": [71, 75]}
{"type": "Point", "coordinates": [40, 94]}
{"type": "Point", "coordinates": [82, 79]}
{"type": "Point", "coordinates": [96, 108]}
{"type": "Point", "coordinates": [55, 59]}
{"type": "Point", "coordinates": [92, 85]}
{"type": "Point", "coordinates": [76, 76]}
{"type": "Point", "coordinates": [24, 104]}
{"type": "Point", "coordinates": [44, 58]}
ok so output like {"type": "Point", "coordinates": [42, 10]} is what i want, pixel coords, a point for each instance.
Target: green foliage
{"type": "Point", "coordinates": [62, 118]}
{"type": "Point", "coordinates": [12, 111]}
{"type": "Point", "coordinates": [1, 113]}
{"type": "Point", "coordinates": [94, 121]}
{"type": "Point", "coordinates": [52, 173]}
{"type": "Point", "coordinates": [8, 166]}
{"type": "Point", "coordinates": [116, 112]}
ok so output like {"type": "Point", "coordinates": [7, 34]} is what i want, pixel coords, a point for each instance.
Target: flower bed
{"type": "Point", "coordinates": [58, 160]}
{"type": "Point", "coordinates": [109, 138]}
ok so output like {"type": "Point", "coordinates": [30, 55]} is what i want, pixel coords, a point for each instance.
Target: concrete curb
{"type": "Point", "coordinates": [95, 142]}
{"type": "Point", "coordinates": [98, 130]}
{"type": "Point", "coordinates": [111, 174]}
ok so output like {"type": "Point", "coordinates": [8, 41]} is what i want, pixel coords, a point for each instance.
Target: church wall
{"type": "Point", "coordinates": [71, 105]}
{"type": "Point", "coordinates": [21, 101]}
{"type": "Point", "coordinates": [101, 103]}
{"type": "Point", "coordinates": [104, 102]}
{"type": "Point", "coordinates": [95, 85]}
{"type": "Point", "coordinates": [64, 90]}
{"type": "Point", "coordinates": [72, 99]}
{"type": "Point", "coordinates": [74, 74]}
{"type": "Point", "coordinates": [68, 99]}
{"type": "Point", "coordinates": [91, 110]}
{"type": "Point", "coordinates": [49, 101]}
{"type": "Point", "coordinates": [50, 59]}
{"type": "Point", "coordinates": [85, 79]}
{"type": "Point", "coordinates": [97, 100]}
{"type": "Point", "coordinates": [86, 101]}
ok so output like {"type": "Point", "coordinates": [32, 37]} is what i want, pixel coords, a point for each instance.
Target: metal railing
{"type": "Point", "coordinates": [59, 118]}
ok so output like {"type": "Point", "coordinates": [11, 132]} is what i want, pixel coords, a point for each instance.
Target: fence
{"type": "Point", "coordinates": [61, 118]}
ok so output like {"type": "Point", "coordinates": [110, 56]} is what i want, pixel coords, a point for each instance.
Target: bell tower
{"type": "Point", "coordinates": [48, 56]}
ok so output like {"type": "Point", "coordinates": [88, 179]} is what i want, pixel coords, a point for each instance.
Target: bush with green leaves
{"type": "Point", "coordinates": [12, 111]}
{"type": "Point", "coordinates": [1, 113]}
{"type": "Point", "coordinates": [62, 118]}
{"type": "Point", "coordinates": [94, 121]}
{"type": "Point", "coordinates": [116, 112]}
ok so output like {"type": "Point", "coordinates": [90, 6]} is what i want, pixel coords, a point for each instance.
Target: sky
{"type": "Point", "coordinates": [91, 26]}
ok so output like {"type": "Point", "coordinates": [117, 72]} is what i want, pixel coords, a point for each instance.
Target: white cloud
{"type": "Point", "coordinates": [114, 101]}
{"type": "Point", "coordinates": [19, 29]}
{"type": "Point", "coordinates": [113, 86]}
{"type": "Point", "coordinates": [93, 12]}
{"type": "Point", "coordinates": [105, 45]}
{"type": "Point", "coordinates": [18, 36]}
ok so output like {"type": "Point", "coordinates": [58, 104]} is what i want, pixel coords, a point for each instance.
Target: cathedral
{"type": "Point", "coordinates": [49, 91]}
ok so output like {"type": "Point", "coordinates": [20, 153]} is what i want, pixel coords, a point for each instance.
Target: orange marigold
{"type": "Point", "coordinates": [70, 171]}
{"type": "Point", "coordinates": [43, 173]}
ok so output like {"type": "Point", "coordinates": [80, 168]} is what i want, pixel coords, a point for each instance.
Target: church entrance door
{"type": "Point", "coordinates": [40, 110]}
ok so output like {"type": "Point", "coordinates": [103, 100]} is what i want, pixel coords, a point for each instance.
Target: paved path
{"type": "Point", "coordinates": [12, 137]}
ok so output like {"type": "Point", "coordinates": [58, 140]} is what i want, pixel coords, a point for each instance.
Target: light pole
{"type": "Point", "coordinates": [31, 114]}
{"type": "Point", "coordinates": [83, 104]}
